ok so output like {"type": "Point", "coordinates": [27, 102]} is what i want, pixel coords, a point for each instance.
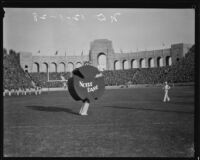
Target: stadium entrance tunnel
{"type": "Point", "coordinates": [102, 60]}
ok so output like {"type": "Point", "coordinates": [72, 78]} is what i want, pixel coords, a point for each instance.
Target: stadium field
{"type": "Point", "coordinates": [132, 122]}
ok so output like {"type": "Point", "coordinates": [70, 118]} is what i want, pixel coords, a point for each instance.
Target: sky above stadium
{"type": "Point", "coordinates": [49, 31]}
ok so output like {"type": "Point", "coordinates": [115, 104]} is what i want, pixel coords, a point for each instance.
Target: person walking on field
{"type": "Point", "coordinates": [166, 89]}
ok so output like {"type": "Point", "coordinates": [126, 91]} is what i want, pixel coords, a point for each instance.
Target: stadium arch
{"type": "Point", "coordinates": [160, 62]}
{"type": "Point", "coordinates": [53, 67]}
{"type": "Point", "coordinates": [44, 67]}
{"type": "Point", "coordinates": [150, 62]}
{"type": "Point", "coordinates": [61, 67]}
{"type": "Point", "coordinates": [125, 64]}
{"type": "Point", "coordinates": [134, 63]}
{"type": "Point", "coordinates": [102, 60]}
{"type": "Point", "coordinates": [116, 65]}
{"type": "Point", "coordinates": [36, 67]}
{"type": "Point", "coordinates": [70, 66]}
{"type": "Point", "coordinates": [168, 60]}
{"type": "Point", "coordinates": [142, 63]}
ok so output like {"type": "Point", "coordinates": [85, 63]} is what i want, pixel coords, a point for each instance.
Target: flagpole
{"type": "Point", "coordinates": [48, 74]}
{"type": "Point", "coordinates": [163, 49]}
{"type": "Point", "coordinates": [65, 63]}
{"type": "Point", "coordinates": [107, 60]}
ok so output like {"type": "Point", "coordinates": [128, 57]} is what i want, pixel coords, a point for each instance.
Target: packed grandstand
{"type": "Point", "coordinates": [15, 78]}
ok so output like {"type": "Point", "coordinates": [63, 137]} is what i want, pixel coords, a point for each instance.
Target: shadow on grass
{"type": "Point", "coordinates": [183, 103]}
{"type": "Point", "coordinates": [51, 109]}
{"type": "Point", "coordinates": [157, 110]}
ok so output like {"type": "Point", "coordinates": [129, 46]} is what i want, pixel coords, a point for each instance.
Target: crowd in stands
{"type": "Point", "coordinates": [17, 81]}
{"type": "Point", "coordinates": [184, 69]}
{"type": "Point", "coordinates": [118, 77]}
{"type": "Point", "coordinates": [181, 71]}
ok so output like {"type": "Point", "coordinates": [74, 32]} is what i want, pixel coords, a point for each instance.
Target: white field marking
{"type": "Point", "coordinates": [165, 123]}
{"type": "Point", "coordinates": [50, 126]}
{"type": "Point", "coordinates": [6, 155]}
{"type": "Point", "coordinates": [191, 150]}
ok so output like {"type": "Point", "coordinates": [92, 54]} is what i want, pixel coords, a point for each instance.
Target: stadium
{"type": "Point", "coordinates": [41, 118]}
{"type": "Point", "coordinates": [51, 115]}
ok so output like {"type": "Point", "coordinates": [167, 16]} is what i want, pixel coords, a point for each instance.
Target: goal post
{"type": "Point", "coordinates": [48, 79]}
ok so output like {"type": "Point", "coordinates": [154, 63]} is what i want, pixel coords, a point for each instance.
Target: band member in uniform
{"type": "Point", "coordinates": [166, 89]}
{"type": "Point", "coordinates": [64, 81]}
{"type": "Point", "coordinates": [9, 91]}
{"type": "Point", "coordinates": [17, 91]}
{"type": "Point", "coordinates": [20, 91]}
{"type": "Point", "coordinates": [84, 108]}
{"type": "Point", "coordinates": [40, 89]}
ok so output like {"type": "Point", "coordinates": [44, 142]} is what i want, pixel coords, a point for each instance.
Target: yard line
{"type": "Point", "coordinates": [30, 126]}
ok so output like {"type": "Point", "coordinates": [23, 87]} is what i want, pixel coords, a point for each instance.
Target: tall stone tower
{"type": "Point", "coordinates": [178, 51]}
{"type": "Point", "coordinates": [101, 47]}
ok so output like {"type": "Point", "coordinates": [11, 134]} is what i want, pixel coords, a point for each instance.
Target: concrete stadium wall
{"type": "Point", "coordinates": [130, 86]}
{"type": "Point", "coordinates": [114, 61]}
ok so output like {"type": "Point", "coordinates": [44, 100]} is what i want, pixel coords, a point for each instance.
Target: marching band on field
{"type": "Point", "coordinates": [23, 91]}
{"type": "Point", "coordinates": [38, 91]}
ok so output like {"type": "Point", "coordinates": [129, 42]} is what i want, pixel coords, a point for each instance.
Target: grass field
{"type": "Point", "coordinates": [130, 122]}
